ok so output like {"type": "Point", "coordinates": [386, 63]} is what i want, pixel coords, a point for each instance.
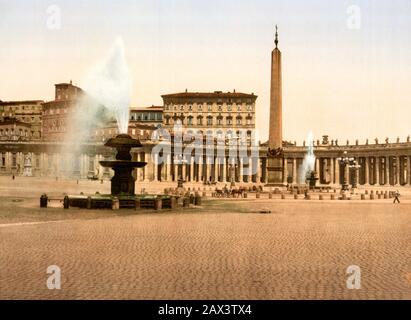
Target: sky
{"type": "Point", "coordinates": [346, 64]}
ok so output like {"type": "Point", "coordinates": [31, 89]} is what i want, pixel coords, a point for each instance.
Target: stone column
{"type": "Point", "coordinates": [398, 169]}
{"type": "Point", "coordinates": [332, 176]}
{"type": "Point", "coordinates": [409, 170]}
{"type": "Point", "coordinates": [155, 167]}
{"type": "Point", "coordinates": [294, 170]}
{"type": "Point", "coordinates": [224, 172]}
{"type": "Point", "coordinates": [258, 174]}
{"type": "Point", "coordinates": [367, 171]}
{"type": "Point", "coordinates": [285, 170]}
{"type": "Point", "coordinates": [317, 165]}
{"type": "Point", "coordinates": [217, 169]}
{"type": "Point", "coordinates": [183, 170]}
{"type": "Point", "coordinates": [240, 164]}
{"type": "Point", "coordinates": [337, 172]}
{"type": "Point", "coordinates": [148, 167]}
{"type": "Point", "coordinates": [168, 167]}
{"type": "Point", "coordinates": [377, 171]}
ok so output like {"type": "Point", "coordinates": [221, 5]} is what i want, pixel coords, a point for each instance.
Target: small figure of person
{"type": "Point", "coordinates": [13, 177]}
{"type": "Point", "coordinates": [396, 196]}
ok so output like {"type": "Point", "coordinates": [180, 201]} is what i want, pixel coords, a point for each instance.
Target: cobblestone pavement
{"type": "Point", "coordinates": [229, 251]}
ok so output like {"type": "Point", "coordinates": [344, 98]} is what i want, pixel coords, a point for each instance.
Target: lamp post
{"type": "Point", "coordinates": [351, 163]}
{"type": "Point", "coordinates": [232, 174]}
{"type": "Point", "coordinates": [355, 167]}
{"type": "Point", "coordinates": [180, 161]}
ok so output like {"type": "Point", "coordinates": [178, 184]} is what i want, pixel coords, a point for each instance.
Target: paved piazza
{"type": "Point", "coordinates": [224, 250]}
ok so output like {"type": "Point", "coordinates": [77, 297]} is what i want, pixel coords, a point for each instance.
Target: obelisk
{"type": "Point", "coordinates": [275, 140]}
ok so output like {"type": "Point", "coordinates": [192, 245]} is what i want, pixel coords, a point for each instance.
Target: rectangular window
{"type": "Point", "coordinates": [14, 160]}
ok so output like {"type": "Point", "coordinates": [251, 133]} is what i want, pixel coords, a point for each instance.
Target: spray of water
{"type": "Point", "coordinates": [107, 89]}
{"type": "Point", "coordinates": [109, 83]}
{"type": "Point", "coordinates": [309, 158]}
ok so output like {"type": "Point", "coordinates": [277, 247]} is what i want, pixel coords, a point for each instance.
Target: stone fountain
{"type": "Point", "coordinates": [123, 182]}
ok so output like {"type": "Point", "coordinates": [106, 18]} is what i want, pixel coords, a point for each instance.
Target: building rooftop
{"type": "Point", "coordinates": [11, 103]}
{"type": "Point", "coordinates": [215, 94]}
{"type": "Point", "coordinates": [151, 108]}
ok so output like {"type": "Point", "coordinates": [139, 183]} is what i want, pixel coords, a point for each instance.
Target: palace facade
{"type": "Point", "coordinates": [380, 163]}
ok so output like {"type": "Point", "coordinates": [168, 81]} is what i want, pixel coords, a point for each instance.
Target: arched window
{"type": "Point", "coordinates": [200, 120]}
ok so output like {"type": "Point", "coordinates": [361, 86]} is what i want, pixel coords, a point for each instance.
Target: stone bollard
{"type": "Point", "coordinates": [158, 203]}
{"type": "Point", "coordinates": [385, 195]}
{"type": "Point", "coordinates": [270, 195]}
{"type": "Point", "coordinates": [295, 196]}
{"type": "Point", "coordinates": [298, 191]}
{"type": "Point", "coordinates": [88, 202]}
{"type": "Point", "coordinates": [343, 196]}
{"type": "Point", "coordinates": [320, 197]}
{"type": "Point", "coordinates": [335, 190]}
{"type": "Point", "coordinates": [245, 195]}
{"type": "Point", "coordinates": [283, 196]}
{"type": "Point", "coordinates": [137, 203]}
{"type": "Point", "coordinates": [371, 196]}
{"type": "Point", "coordinates": [197, 200]}
{"type": "Point", "coordinates": [362, 196]}
{"type": "Point", "coordinates": [115, 203]}
{"type": "Point", "coordinates": [366, 191]}
{"type": "Point", "coordinates": [173, 202]}
{"type": "Point", "coordinates": [66, 202]}
{"type": "Point", "coordinates": [332, 197]}
{"type": "Point", "coordinates": [257, 195]}
{"type": "Point", "coordinates": [43, 200]}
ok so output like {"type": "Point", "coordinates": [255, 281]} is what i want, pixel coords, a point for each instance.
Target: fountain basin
{"type": "Point", "coordinates": [122, 164]}
{"type": "Point", "coordinates": [123, 182]}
